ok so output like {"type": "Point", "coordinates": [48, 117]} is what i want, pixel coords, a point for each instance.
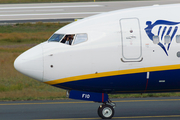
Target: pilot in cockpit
{"type": "Point", "coordinates": [69, 39]}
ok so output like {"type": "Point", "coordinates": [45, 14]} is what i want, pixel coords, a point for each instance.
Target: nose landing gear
{"type": "Point", "coordinates": [106, 110]}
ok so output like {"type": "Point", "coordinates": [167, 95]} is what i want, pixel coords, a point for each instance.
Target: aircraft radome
{"type": "Point", "coordinates": [135, 50]}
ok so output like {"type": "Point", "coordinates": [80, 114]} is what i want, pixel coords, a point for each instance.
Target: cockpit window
{"type": "Point", "coordinates": [80, 38]}
{"type": "Point", "coordinates": [56, 38]}
{"type": "Point", "coordinates": [68, 39]}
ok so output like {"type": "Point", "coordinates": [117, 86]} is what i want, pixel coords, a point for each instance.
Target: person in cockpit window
{"type": "Point", "coordinates": [69, 39]}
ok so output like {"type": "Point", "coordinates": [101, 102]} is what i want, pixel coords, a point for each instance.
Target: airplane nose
{"type": "Point", "coordinates": [30, 63]}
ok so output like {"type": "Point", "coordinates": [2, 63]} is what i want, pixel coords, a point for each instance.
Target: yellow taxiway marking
{"type": "Point", "coordinates": [131, 117]}
{"type": "Point", "coordinates": [46, 103]}
{"type": "Point", "coordinates": [147, 100]}
{"type": "Point", "coordinates": [43, 103]}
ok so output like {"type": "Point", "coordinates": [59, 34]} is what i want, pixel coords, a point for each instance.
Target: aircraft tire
{"type": "Point", "coordinates": [99, 111]}
{"type": "Point", "coordinates": [106, 111]}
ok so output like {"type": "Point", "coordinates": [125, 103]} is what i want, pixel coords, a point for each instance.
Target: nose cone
{"type": "Point", "coordinates": [30, 63]}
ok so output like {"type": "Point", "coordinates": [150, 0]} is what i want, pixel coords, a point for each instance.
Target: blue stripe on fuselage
{"type": "Point", "coordinates": [128, 83]}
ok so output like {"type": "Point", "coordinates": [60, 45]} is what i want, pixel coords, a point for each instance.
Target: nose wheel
{"type": "Point", "coordinates": [106, 111]}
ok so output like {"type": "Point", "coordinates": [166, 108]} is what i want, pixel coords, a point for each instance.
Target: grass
{"type": "Point", "coordinates": [15, 86]}
{"type": "Point", "coordinates": [27, 32]}
{"type": "Point", "coordinates": [15, 39]}
{"type": "Point", "coordinates": [50, 1]}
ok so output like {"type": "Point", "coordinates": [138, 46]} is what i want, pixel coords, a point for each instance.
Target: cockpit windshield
{"type": "Point", "coordinates": [69, 39]}
{"type": "Point", "coordinates": [56, 37]}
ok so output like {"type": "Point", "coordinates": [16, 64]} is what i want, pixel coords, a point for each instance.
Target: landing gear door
{"type": "Point", "coordinates": [131, 40]}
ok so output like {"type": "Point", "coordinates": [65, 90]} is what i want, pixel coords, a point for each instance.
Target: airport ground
{"type": "Point", "coordinates": [65, 11]}
{"type": "Point", "coordinates": [51, 1]}
{"type": "Point", "coordinates": [126, 109]}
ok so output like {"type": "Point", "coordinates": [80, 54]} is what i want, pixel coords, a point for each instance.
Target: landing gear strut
{"type": "Point", "coordinates": [106, 110]}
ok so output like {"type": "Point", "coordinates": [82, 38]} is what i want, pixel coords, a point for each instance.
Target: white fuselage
{"type": "Point", "coordinates": [118, 44]}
